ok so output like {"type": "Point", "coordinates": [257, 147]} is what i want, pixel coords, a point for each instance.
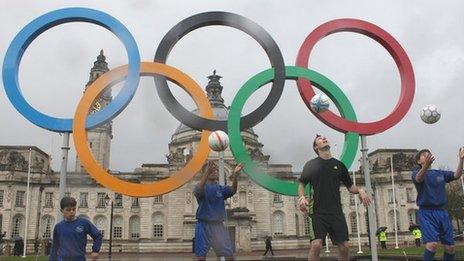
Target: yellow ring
{"type": "Point", "coordinates": [115, 184]}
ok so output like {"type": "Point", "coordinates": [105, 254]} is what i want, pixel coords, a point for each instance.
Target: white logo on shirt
{"type": "Point", "coordinates": [79, 229]}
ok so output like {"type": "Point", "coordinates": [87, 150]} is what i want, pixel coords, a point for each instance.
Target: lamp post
{"type": "Point", "coordinates": [394, 202]}
{"type": "Point", "coordinates": [108, 200]}
{"type": "Point", "coordinates": [357, 217]}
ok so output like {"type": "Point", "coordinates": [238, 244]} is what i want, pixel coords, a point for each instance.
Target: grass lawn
{"type": "Point", "coordinates": [28, 258]}
{"type": "Point", "coordinates": [410, 251]}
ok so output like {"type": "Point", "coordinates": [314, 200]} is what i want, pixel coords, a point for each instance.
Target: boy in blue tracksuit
{"type": "Point", "coordinates": [431, 198]}
{"type": "Point", "coordinates": [209, 229]}
{"type": "Point", "coordinates": [70, 235]}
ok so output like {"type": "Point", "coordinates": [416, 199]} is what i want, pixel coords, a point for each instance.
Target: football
{"type": "Point", "coordinates": [320, 103]}
{"type": "Point", "coordinates": [430, 114]}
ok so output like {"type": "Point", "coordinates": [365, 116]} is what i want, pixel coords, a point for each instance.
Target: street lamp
{"type": "Point", "coordinates": [108, 200]}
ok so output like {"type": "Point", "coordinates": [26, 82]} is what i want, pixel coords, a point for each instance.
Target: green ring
{"type": "Point", "coordinates": [238, 146]}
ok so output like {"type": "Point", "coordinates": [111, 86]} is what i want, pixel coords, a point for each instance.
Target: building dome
{"type": "Point", "coordinates": [214, 93]}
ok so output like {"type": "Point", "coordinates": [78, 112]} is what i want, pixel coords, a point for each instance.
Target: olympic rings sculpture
{"type": "Point", "coordinates": [204, 122]}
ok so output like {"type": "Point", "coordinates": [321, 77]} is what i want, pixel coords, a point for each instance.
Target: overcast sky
{"type": "Point", "coordinates": [55, 68]}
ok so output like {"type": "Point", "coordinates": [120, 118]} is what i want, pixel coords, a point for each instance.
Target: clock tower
{"type": "Point", "coordinates": [99, 138]}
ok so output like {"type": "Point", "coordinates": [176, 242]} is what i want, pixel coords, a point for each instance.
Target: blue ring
{"type": "Point", "coordinates": [25, 37]}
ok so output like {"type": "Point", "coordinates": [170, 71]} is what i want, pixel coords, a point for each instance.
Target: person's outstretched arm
{"type": "Point", "coordinates": [235, 177]}
{"type": "Point", "coordinates": [363, 197]}
{"type": "Point", "coordinates": [458, 172]}
{"type": "Point", "coordinates": [421, 174]}
{"type": "Point", "coordinates": [353, 189]}
{"type": "Point", "coordinates": [199, 189]}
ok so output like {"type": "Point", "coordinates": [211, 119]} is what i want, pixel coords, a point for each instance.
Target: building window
{"type": "Point", "coordinates": [278, 223]}
{"type": "Point", "coordinates": [67, 194]}
{"type": "Point", "coordinates": [134, 227]}
{"type": "Point", "coordinates": [158, 220]}
{"type": "Point", "coordinates": [412, 216]}
{"type": "Point", "coordinates": [135, 203]}
{"type": "Point", "coordinates": [366, 219]}
{"type": "Point", "coordinates": [353, 224]}
{"type": "Point", "coordinates": [1, 222]}
{"type": "Point", "coordinates": [242, 199]}
{"type": "Point", "coordinates": [101, 223]}
{"type": "Point", "coordinates": [17, 225]}
{"type": "Point", "coordinates": [19, 202]}
{"type": "Point", "coordinates": [277, 198]}
{"type": "Point", "coordinates": [101, 202]}
{"type": "Point", "coordinates": [1, 198]}
{"type": "Point", "coordinates": [392, 219]}
{"type": "Point", "coordinates": [157, 199]}
{"type": "Point", "coordinates": [117, 200]}
{"type": "Point", "coordinates": [307, 225]}
{"type": "Point", "coordinates": [352, 200]}
{"type": "Point", "coordinates": [297, 225]}
{"type": "Point", "coordinates": [47, 224]}
{"type": "Point", "coordinates": [117, 227]}
{"type": "Point", "coordinates": [390, 196]}
{"type": "Point", "coordinates": [250, 196]}
{"type": "Point", "coordinates": [83, 200]}
{"type": "Point", "coordinates": [49, 199]}
{"type": "Point", "coordinates": [410, 195]}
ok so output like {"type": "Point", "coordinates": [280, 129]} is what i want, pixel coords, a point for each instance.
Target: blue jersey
{"type": "Point", "coordinates": [70, 239]}
{"type": "Point", "coordinates": [211, 207]}
{"type": "Point", "coordinates": [431, 191]}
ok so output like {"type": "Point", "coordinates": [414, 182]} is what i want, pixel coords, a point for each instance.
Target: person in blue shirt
{"type": "Point", "coordinates": [70, 235]}
{"type": "Point", "coordinates": [209, 229]}
{"type": "Point", "coordinates": [431, 198]}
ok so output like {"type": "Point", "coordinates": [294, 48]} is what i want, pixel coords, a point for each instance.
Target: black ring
{"type": "Point", "coordinates": [227, 19]}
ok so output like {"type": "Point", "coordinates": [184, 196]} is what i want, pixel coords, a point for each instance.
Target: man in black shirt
{"type": "Point", "coordinates": [325, 175]}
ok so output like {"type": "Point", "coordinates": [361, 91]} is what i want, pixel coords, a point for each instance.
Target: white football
{"type": "Point", "coordinates": [430, 114]}
{"type": "Point", "coordinates": [218, 140]}
{"type": "Point", "coordinates": [320, 103]}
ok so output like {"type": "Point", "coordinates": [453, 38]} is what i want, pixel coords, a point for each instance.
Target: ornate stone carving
{"type": "Point", "coordinates": [403, 162]}
{"type": "Point", "coordinates": [250, 196]}
{"type": "Point", "coordinates": [12, 160]}
{"type": "Point", "coordinates": [176, 157]}
{"type": "Point", "coordinates": [257, 155]}
{"type": "Point", "coordinates": [39, 164]}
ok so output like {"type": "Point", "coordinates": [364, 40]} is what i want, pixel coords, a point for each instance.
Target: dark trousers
{"type": "Point", "coordinates": [383, 244]}
{"type": "Point", "coordinates": [267, 249]}
{"type": "Point", "coordinates": [418, 243]}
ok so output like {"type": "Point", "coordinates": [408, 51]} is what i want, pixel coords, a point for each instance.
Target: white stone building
{"type": "Point", "coordinates": [166, 223]}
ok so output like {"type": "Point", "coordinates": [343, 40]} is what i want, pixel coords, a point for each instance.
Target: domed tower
{"type": "Point", "coordinates": [250, 210]}
{"type": "Point", "coordinates": [184, 141]}
{"type": "Point", "coordinates": [99, 138]}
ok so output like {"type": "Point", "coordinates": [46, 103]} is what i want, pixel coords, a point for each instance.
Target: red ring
{"type": "Point", "coordinates": [390, 44]}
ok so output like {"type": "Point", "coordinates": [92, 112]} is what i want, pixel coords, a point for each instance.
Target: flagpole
{"type": "Point", "coordinates": [27, 201]}
{"type": "Point", "coordinates": [222, 181]}
{"type": "Point", "coordinates": [63, 170]}
{"type": "Point", "coordinates": [357, 217]}
{"type": "Point", "coordinates": [394, 202]}
{"type": "Point", "coordinates": [370, 208]}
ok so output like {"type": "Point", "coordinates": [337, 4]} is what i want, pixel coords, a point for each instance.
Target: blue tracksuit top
{"type": "Point", "coordinates": [70, 239]}
{"type": "Point", "coordinates": [431, 191]}
{"type": "Point", "coordinates": [211, 207]}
